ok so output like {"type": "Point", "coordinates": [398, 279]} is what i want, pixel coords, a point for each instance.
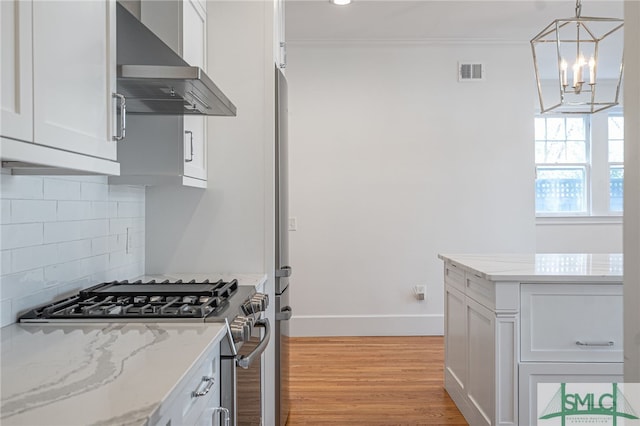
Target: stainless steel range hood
{"type": "Point", "coordinates": [156, 80]}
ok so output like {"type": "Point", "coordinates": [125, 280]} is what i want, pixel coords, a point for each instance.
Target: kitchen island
{"type": "Point", "coordinates": [513, 321]}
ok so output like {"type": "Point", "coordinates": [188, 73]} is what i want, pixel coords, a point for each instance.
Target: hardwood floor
{"type": "Point", "coordinates": [369, 381]}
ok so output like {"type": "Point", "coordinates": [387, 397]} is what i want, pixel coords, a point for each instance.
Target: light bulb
{"type": "Point", "coordinates": [592, 70]}
{"type": "Point", "coordinates": [340, 2]}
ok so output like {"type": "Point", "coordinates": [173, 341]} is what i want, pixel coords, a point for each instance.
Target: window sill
{"type": "Point", "coordinates": [579, 220]}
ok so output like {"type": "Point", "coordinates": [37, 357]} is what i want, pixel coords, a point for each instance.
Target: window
{"type": "Point", "coordinates": [579, 165]}
{"type": "Point", "coordinates": [616, 158]}
{"type": "Point", "coordinates": [562, 165]}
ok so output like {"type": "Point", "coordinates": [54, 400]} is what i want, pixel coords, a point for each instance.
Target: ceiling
{"type": "Point", "coordinates": [427, 20]}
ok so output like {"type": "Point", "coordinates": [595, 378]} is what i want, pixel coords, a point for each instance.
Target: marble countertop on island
{"type": "Point", "coordinates": [96, 374]}
{"type": "Point", "coordinates": [542, 267]}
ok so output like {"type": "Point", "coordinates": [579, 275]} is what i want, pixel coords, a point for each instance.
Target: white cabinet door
{"type": "Point", "coordinates": [17, 103]}
{"type": "Point", "coordinates": [74, 76]}
{"type": "Point", "coordinates": [481, 367]}
{"type": "Point", "coordinates": [455, 343]}
{"type": "Point", "coordinates": [194, 38]}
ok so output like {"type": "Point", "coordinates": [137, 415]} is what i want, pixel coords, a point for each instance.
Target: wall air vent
{"type": "Point", "coordinates": [470, 72]}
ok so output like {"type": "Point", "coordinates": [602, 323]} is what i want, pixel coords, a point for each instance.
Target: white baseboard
{"type": "Point", "coordinates": [367, 325]}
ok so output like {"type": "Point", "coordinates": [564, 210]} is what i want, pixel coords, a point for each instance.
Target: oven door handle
{"type": "Point", "coordinates": [245, 361]}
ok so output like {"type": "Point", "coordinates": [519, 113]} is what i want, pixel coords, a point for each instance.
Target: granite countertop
{"type": "Point", "coordinates": [539, 267]}
{"type": "Point", "coordinates": [96, 374]}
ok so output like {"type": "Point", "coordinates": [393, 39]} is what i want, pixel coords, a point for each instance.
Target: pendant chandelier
{"type": "Point", "coordinates": [578, 64]}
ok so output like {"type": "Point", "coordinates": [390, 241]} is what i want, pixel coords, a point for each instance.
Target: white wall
{"type": "Point", "coordinates": [392, 162]}
{"type": "Point", "coordinates": [224, 228]}
{"type": "Point", "coordinates": [229, 226]}
{"type": "Point", "coordinates": [579, 236]}
{"type": "Point", "coordinates": [62, 234]}
{"type": "Point", "coordinates": [632, 194]}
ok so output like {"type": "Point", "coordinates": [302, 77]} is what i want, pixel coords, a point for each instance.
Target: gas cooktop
{"type": "Point", "coordinates": [150, 301]}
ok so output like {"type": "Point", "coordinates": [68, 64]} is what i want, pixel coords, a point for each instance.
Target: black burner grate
{"type": "Point", "coordinates": [122, 299]}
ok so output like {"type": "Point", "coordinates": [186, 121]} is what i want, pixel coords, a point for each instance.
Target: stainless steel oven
{"type": "Point", "coordinates": [241, 308]}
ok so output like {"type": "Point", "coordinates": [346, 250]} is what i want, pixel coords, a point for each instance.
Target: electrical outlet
{"type": "Point", "coordinates": [293, 224]}
{"type": "Point", "coordinates": [420, 291]}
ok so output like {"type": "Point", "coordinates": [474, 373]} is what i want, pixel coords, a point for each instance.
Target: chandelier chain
{"type": "Point", "coordinates": [578, 8]}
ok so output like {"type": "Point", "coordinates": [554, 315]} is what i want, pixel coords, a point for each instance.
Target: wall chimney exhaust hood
{"type": "Point", "coordinates": [156, 80]}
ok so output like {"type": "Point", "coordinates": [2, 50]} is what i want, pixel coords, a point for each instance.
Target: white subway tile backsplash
{"type": "Point", "coordinates": [74, 210]}
{"type": "Point", "coordinates": [63, 234]}
{"type": "Point", "coordinates": [61, 189]}
{"type": "Point", "coordinates": [99, 245]}
{"type": "Point", "coordinates": [27, 302]}
{"type": "Point", "coordinates": [96, 263]}
{"type": "Point", "coordinates": [113, 209]}
{"type": "Point", "coordinates": [94, 191]}
{"type": "Point", "coordinates": [20, 235]}
{"type": "Point", "coordinates": [61, 272]}
{"type": "Point", "coordinates": [55, 232]}
{"type": "Point", "coordinates": [117, 243]}
{"type": "Point", "coordinates": [16, 285]}
{"type": "Point", "coordinates": [124, 271]}
{"type": "Point", "coordinates": [5, 262]}
{"type": "Point", "coordinates": [94, 179]}
{"type": "Point", "coordinates": [26, 258]}
{"type": "Point", "coordinates": [118, 259]}
{"type": "Point", "coordinates": [73, 250]}
{"type": "Point", "coordinates": [120, 225]}
{"type": "Point", "coordinates": [25, 211]}
{"type": "Point", "coordinates": [130, 209]}
{"type": "Point", "coordinates": [20, 187]}
{"type": "Point", "coordinates": [6, 313]}
{"type": "Point", "coordinates": [101, 209]}
{"type": "Point", "coordinates": [72, 287]}
{"type": "Point", "coordinates": [5, 212]}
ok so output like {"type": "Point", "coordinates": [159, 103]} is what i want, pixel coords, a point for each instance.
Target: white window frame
{"type": "Point", "coordinates": [597, 172]}
{"type": "Point", "coordinates": [613, 164]}
{"type": "Point", "coordinates": [586, 165]}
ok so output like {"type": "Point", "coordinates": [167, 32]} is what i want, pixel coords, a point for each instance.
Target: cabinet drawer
{"type": "Point", "coordinates": [481, 290]}
{"type": "Point", "coordinates": [454, 276]}
{"type": "Point", "coordinates": [182, 406]}
{"type": "Point", "coordinates": [571, 322]}
{"type": "Point", "coordinates": [531, 374]}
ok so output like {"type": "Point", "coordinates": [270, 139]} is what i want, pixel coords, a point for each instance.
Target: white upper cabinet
{"type": "Point", "coordinates": [178, 143]}
{"type": "Point", "coordinates": [194, 50]}
{"type": "Point", "coordinates": [17, 71]}
{"type": "Point", "coordinates": [74, 75]}
{"type": "Point", "coordinates": [58, 79]}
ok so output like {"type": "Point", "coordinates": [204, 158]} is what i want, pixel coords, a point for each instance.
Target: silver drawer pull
{"type": "Point", "coordinates": [222, 410]}
{"type": "Point", "coordinates": [209, 381]}
{"type": "Point", "coordinates": [579, 343]}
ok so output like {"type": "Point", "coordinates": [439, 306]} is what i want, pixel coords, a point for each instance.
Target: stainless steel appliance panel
{"type": "Point", "coordinates": [282, 266]}
{"type": "Point", "coordinates": [249, 386]}
{"type": "Point", "coordinates": [283, 269]}
{"type": "Point", "coordinates": [282, 342]}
